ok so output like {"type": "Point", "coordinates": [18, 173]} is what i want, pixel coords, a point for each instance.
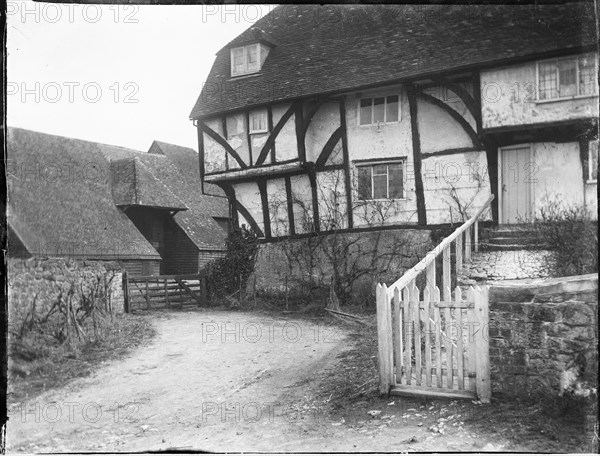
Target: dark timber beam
{"type": "Point", "coordinates": [262, 188]}
{"type": "Point", "coordinates": [223, 143]}
{"type": "Point", "coordinates": [416, 146]}
{"type": "Point", "coordinates": [200, 156]}
{"type": "Point", "coordinates": [270, 123]}
{"type": "Point", "coordinates": [230, 193]}
{"type": "Point", "coordinates": [312, 177]}
{"type": "Point", "coordinates": [273, 136]}
{"type": "Point", "coordinates": [249, 137]}
{"type": "Point", "coordinates": [346, 154]}
{"type": "Point", "coordinates": [301, 145]}
{"type": "Point", "coordinates": [328, 147]}
{"type": "Point", "coordinates": [290, 205]}
{"type": "Point", "coordinates": [462, 93]}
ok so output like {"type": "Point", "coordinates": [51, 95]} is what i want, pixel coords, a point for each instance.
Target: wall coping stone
{"type": "Point", "coordinates": [526, 290]}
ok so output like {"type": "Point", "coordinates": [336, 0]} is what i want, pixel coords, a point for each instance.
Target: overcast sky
{"type": "Point", "coordinates": [117, 74]}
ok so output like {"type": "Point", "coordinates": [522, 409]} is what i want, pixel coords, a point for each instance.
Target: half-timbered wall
{"type": "Point", "coordinates": [302, 176]}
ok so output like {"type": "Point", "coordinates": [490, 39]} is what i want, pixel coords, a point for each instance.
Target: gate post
{"type": "Point", "coordinates": [384, 339]}
{"type": "Point", "coordinates": [125, 286]}
{"type": "Point", "coordinates": [482, 345]}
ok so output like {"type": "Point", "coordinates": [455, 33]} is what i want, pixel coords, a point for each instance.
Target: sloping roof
{"type": "Point", "coordinates": [331, 48]}
{"type": "Point", "coordinates": [186, 161]}
{"type": "Point", "coordinates": [197, 221]}
{"type": "Point", "coordinates": [135, 185]}
{"type": "Point", "coordinates": [60, 202]}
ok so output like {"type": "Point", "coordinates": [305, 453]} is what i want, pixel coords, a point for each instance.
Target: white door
{"type": "Point", "coordinates": [516, 185]}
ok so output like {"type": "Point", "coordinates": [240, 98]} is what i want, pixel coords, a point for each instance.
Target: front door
{"type": "Point", "coordinates": [516, 185]}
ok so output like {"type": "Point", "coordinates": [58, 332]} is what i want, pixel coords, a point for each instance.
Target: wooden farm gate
{"type": "Point", "coordinates": [163, 291]}
{"type": "Point", "coordinates": [432, 342]}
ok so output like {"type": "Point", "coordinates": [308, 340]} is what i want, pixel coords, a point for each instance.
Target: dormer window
{"type": "Point", "coordinates": [248, 59]}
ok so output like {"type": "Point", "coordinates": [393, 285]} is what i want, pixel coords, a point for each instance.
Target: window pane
{"type": "Point", "coordinates": [587, 75]}
{"type": "Point", "coordinates": [258, 121]}
{"type": "Point", "coordinates": [380, 170]}
{"type": "Point", "coordinates": [380, 186]}
{"type": "Point", "coordinates": [566, 78]}
{"type": "Point", "coordinates": [238, 60]}
{"type": "Point", "coordinates": [593, 163]}
{"type": "Point", "coordinates": [364, 182]}
{"type": "Point", "coordinates": [365, 111]}
{"type": "Point", "coordinates": [379, 110]}
{"type": "Point", "coordinates": [396, 180]}
{"type": "Point", "coordinates": [252, 57]}
{"type": "Point", "coordinates": [391, 108]}
{"type": "Point", "coordinates": [548, 81]}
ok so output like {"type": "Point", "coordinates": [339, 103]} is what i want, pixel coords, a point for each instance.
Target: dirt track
{"type": "Point", "coordinates": [222, 381]}
{"type": "Point", "coordinates": [210, 381]}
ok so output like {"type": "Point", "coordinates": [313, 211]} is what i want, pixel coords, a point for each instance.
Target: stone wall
{"type": "Point", "coordinates": [537, 329]}
{"type": "Point", "coordinates": [299, 262]}
{"type": "Point", "coordinates": [45, 279]}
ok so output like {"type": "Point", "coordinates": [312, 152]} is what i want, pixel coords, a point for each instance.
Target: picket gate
{"type": "Point", "coordinates": [434, 342]}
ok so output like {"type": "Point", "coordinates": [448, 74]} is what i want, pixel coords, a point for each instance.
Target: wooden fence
{"type": "Point", "coordinates": [163, 291]}
{"type": "Point", "coordinates": [433, 342]}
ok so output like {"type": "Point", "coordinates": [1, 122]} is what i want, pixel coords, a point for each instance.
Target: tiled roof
{"type": "Point", "coordinates": [60, 199]}
{"type": "Point", "coordinates": [135, 185]}
{"type": "Point", "coordinates": [61, 194]}
{"type": "Point", "coordinates": [165, 162]}
{"type": "Point", "coordinates": [322, 49]}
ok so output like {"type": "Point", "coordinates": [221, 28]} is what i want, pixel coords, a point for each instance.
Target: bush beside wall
{"type": "Point", "coordinates": [304, 267]}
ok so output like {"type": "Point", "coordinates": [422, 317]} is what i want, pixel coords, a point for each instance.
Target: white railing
{"type": "Point", "coordinates": [428, 263]}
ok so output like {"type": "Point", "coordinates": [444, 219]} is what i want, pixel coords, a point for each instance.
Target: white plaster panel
{"type": "Point", "coordinates": [448, 178]}
{"type": "Point", "coordinates": [237, 137]}
{"type": "Point", "coordinates": [331, 193]}
{"type": "Point", "coordinates": [214, 153]}
{"type": "Point", "coordinates": [438, 130]}
{"type": "Point", "coordinates": [557, 174]}
{"type": "Point", "coordinates": [387, 141]}
{"type": "Point", "coordinates": [325, 121]}
{"type": "Point", "coordinates": [302, 196]}
{"type": "Point", "coordinates": [248, 195]}
{"type": "Point", "coordinates": [277, 199]}
{"type": "Point", "coordinates": [286, 146]}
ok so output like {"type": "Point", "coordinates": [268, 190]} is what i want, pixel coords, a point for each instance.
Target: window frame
{"type": "Point", "coordinates": [372, 98]}
{"type": "Point", "coordinates": [592, 179]}
{"type": "Point", "coordinates": [556, 62]}
{"type": "Point", "coordinates": [371, 164]}
{"type": "Point", "coordinates": [245, 49]}
{"type": "Point", "coordinates": [266, 121]}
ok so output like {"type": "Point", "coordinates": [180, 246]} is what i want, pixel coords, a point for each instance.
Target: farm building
{"type": "Point", "coordinates": [317, 116]}
{"type": "Point", "coordinates": [83, 200]}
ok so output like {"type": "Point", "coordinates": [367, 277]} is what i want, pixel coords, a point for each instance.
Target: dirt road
{"type": "Point", "coordinates": [223, 381]}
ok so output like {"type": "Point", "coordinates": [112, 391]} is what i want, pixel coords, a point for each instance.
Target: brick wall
{"type": "Point", "coordinates": [537, 329]}
{"type": "Point", "coordinates": [299, 261]}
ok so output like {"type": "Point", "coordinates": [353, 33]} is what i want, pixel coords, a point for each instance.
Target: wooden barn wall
{"type": "Point", "coordinates": [180, 253]}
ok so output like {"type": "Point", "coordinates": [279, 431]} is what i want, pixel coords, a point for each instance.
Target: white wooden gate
{"type": "Point", "coordinates": [433, 343]}
{"type": "Point", "coordinates": [432, 347]}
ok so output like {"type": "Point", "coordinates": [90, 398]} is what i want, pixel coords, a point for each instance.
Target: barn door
{"type": "Point", "coordinates": [516, 201]}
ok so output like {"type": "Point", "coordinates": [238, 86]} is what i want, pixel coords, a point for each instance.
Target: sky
{"type": "Point", "coordinates": [117, 74]}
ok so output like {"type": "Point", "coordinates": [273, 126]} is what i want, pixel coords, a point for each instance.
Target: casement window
{"type": "Point", "coordinates": [593, 161]}
{"type": "Point", "coordinates": [567, 78]}
{"type": "Point", "coordinates": [246, 59]}
{"type": "Point", "coordinates": [258, 121]}
{"type": "Point", "coordinates": [379, 110]}
{"type": "Point", "coordinates": [381, 181]}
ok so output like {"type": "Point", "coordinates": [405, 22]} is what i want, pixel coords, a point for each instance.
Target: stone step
{"type": "Point", "coordinates": [514, 246]}
{"type": "Point", "coordinates": [526, 241]}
